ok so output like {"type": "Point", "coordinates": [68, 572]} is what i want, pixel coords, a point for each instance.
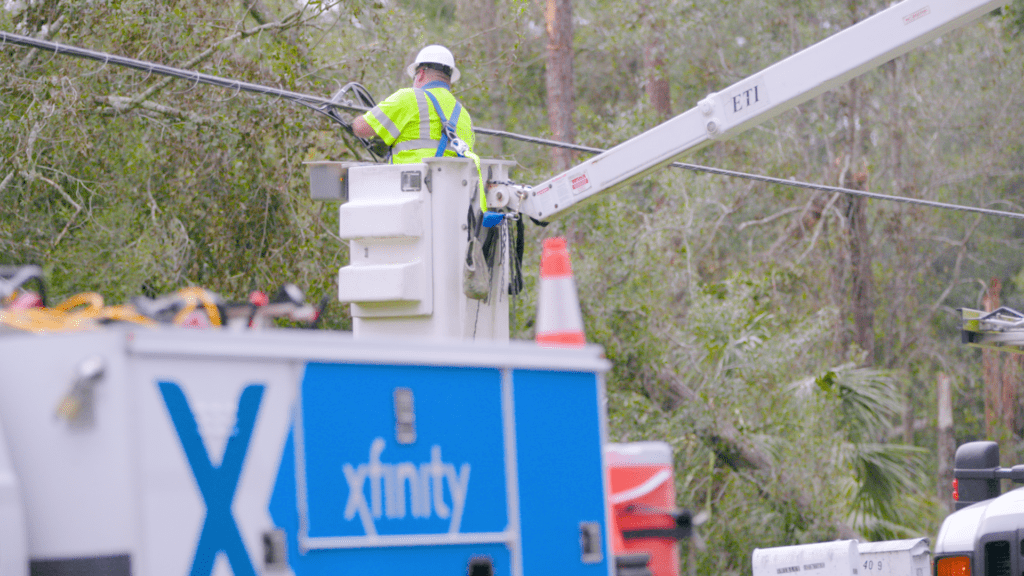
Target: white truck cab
{"type": "Point", "coordinates": [985, 535]}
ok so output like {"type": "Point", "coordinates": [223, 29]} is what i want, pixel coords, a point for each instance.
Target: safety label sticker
{"type": "Point", "coordinates": [580, 183]}
{"type": "Point", "coordinates": [563, 192]}
{"type": "Point", "coordinates": [916, 15]}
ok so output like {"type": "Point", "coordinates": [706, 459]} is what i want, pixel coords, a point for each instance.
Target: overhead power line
{"type": "Point", "coordinates": [773, 180]}
{"type": "Point", "coordinates": [318, 103]}
{"type": "Point", "coordinates": [154, 68]}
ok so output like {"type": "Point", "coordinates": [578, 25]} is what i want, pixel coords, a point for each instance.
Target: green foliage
{"type": "Point", "coordinates": [740, 292]}
{"type": "Point", "coordinates": [821, 432]}
{"type": "Point", "coordinates": [191, 186]}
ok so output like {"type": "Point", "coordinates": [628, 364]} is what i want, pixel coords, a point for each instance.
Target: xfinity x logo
{"type": "Point", "coordinates": [389, 483]}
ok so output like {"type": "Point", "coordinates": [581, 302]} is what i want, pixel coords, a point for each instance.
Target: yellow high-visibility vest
{"type": "Point", "coordinates": [407, 122]}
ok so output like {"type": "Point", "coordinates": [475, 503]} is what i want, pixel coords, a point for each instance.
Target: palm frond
{"type": "Point", "coordinates": [868, 400]}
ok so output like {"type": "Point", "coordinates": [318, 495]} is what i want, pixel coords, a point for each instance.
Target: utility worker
{"type": "Point", "coordinates": [425, 120]}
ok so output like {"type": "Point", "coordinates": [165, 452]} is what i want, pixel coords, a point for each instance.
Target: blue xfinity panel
{"type": "Point", "coordinates": [371, 485]}
{"type": "Point", "coordinates": [429, 470]}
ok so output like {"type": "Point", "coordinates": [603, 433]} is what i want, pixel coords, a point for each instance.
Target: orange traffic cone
{"type": "Point", "coordinates": [559, 322]}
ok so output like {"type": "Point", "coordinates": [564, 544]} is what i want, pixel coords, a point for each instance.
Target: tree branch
{"type": "Point", "coordinates": [961, 253]}
{"type": "Point", "coordinates": [129, 104]}
{"type": "Point", "coordinates": [257, 9]}
{"type": "Point", "coordinates": [30, 176]}
{"type": "Point", "coordinates": [810, 215]}
{"type": "Point", "coordinates": [817, 228]}
{"type": "Point", "coordinates": [121, 105]}
{"type": "Point", "coordinates": [33, 135]}
{"type": "Point", "coordinates": [728, 444]}
{"type": "Point", "coordinates": [45, 33]}
{"type": "Point", "coordinates": [7, 180]}
{"type": "Point", "coordinates": [767, 219]}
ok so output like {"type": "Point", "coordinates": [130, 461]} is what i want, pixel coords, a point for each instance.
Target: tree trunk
{"type": "Point", "coordinates": [1008, 401]}
{"type": "Point", "coordinates": [655, 77]}
{"type": "Point", "coordinates": [488, 50]}
{"type": "Point", "coordinates": [990, 369]}
{"type": "Point", "coordinates": [561, 92]}
{"type": "Point", "coordinates": [862, 282]}
{"type": "Point", "coordinates": [908, 416]}
{"type": "Point", "coordinates": [855, 176]}
{"type": "Point", "coordinates": [946, 447]}
{"type": "Point", "coordinates": [902, 313]}
{"type": "Point", "coordinates": [896, 129]}
{"type": "Point", "coordinates": [861, 279]}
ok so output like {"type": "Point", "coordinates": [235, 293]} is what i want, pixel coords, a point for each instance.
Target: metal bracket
{"type": "Point", "coordinates": [405, 416]}
{"type": "Point", "coordinates": [275, 550]}
{"type": "Point", "coordinates": [76, 406]}
{"type": "Point", "coordinates": [590, 543]}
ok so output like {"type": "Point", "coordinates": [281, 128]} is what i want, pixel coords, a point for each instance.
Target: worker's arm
{"type": "Point", "coordinates": [362, 129]}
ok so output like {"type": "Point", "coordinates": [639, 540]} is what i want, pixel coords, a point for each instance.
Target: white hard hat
{"type": "Point", "coordinates": [434, 54]}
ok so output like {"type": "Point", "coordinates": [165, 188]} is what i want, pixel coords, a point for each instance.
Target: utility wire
{"type": "Point", "coordinates": [154, 68]}
{"type": "Point", "coordinates": [323, 103]}
{"type": "Point", "coordinates": [770, 179]}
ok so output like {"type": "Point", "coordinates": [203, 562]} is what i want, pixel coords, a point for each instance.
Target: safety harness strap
{"type": "Point", "coordinates": [448, 133]}
{"type": "Point", "coordinates": [447, 125]}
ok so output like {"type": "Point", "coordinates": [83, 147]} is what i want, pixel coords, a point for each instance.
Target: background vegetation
{"type": "Point", "coordinates": [786, 343]}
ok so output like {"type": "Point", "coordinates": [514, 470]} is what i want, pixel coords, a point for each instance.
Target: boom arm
{"type": "Point", "coordinates": [754, 100]}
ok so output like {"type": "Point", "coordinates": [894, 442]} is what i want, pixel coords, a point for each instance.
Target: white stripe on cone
{"type": "Point", "coordinates": [559, 321]}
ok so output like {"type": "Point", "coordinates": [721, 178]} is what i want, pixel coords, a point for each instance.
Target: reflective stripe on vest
{"type": "Point", "coordinates": [424, 110]}
{"type": "Point", "coordinates": [386, 122]}
{"type": "Point", "coordinates": [417, 145]}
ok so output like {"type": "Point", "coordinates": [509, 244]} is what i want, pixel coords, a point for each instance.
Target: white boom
{"type": "Point", "coordinates": [406, 274]}
{"type": "Point", "coordinates": [751, 101]}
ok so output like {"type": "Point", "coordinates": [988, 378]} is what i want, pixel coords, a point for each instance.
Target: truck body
{"type": "Point", "coordinates": [425, 444]}
{"type": "Point", "coordinates": [984, 538]}
{"type": "Point", "coordinates": [299, 452]}
{"type": "Point", "coordinates": [985, 535]}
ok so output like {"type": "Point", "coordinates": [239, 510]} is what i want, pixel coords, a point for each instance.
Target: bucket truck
{"type": "Point", "coordinates": [382, 255]}
{"type": "Point", "coordinates": [425, 444]}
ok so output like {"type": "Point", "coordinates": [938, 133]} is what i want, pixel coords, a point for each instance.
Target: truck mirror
{"type": "Point", "coordinates": [971, 458]}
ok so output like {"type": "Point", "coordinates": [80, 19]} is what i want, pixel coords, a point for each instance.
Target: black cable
{"type": "Point", "coordinates": [355, 94]}
{"type": "Point", "coordinates": [323, 106]}
{"type": "Point", "coordinates": [154, 68]}
{"type": "Point", "coordinates": [770, 179]}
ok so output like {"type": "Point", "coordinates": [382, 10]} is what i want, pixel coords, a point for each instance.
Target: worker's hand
{"type": "Point", "coordinates": [362, 129]}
